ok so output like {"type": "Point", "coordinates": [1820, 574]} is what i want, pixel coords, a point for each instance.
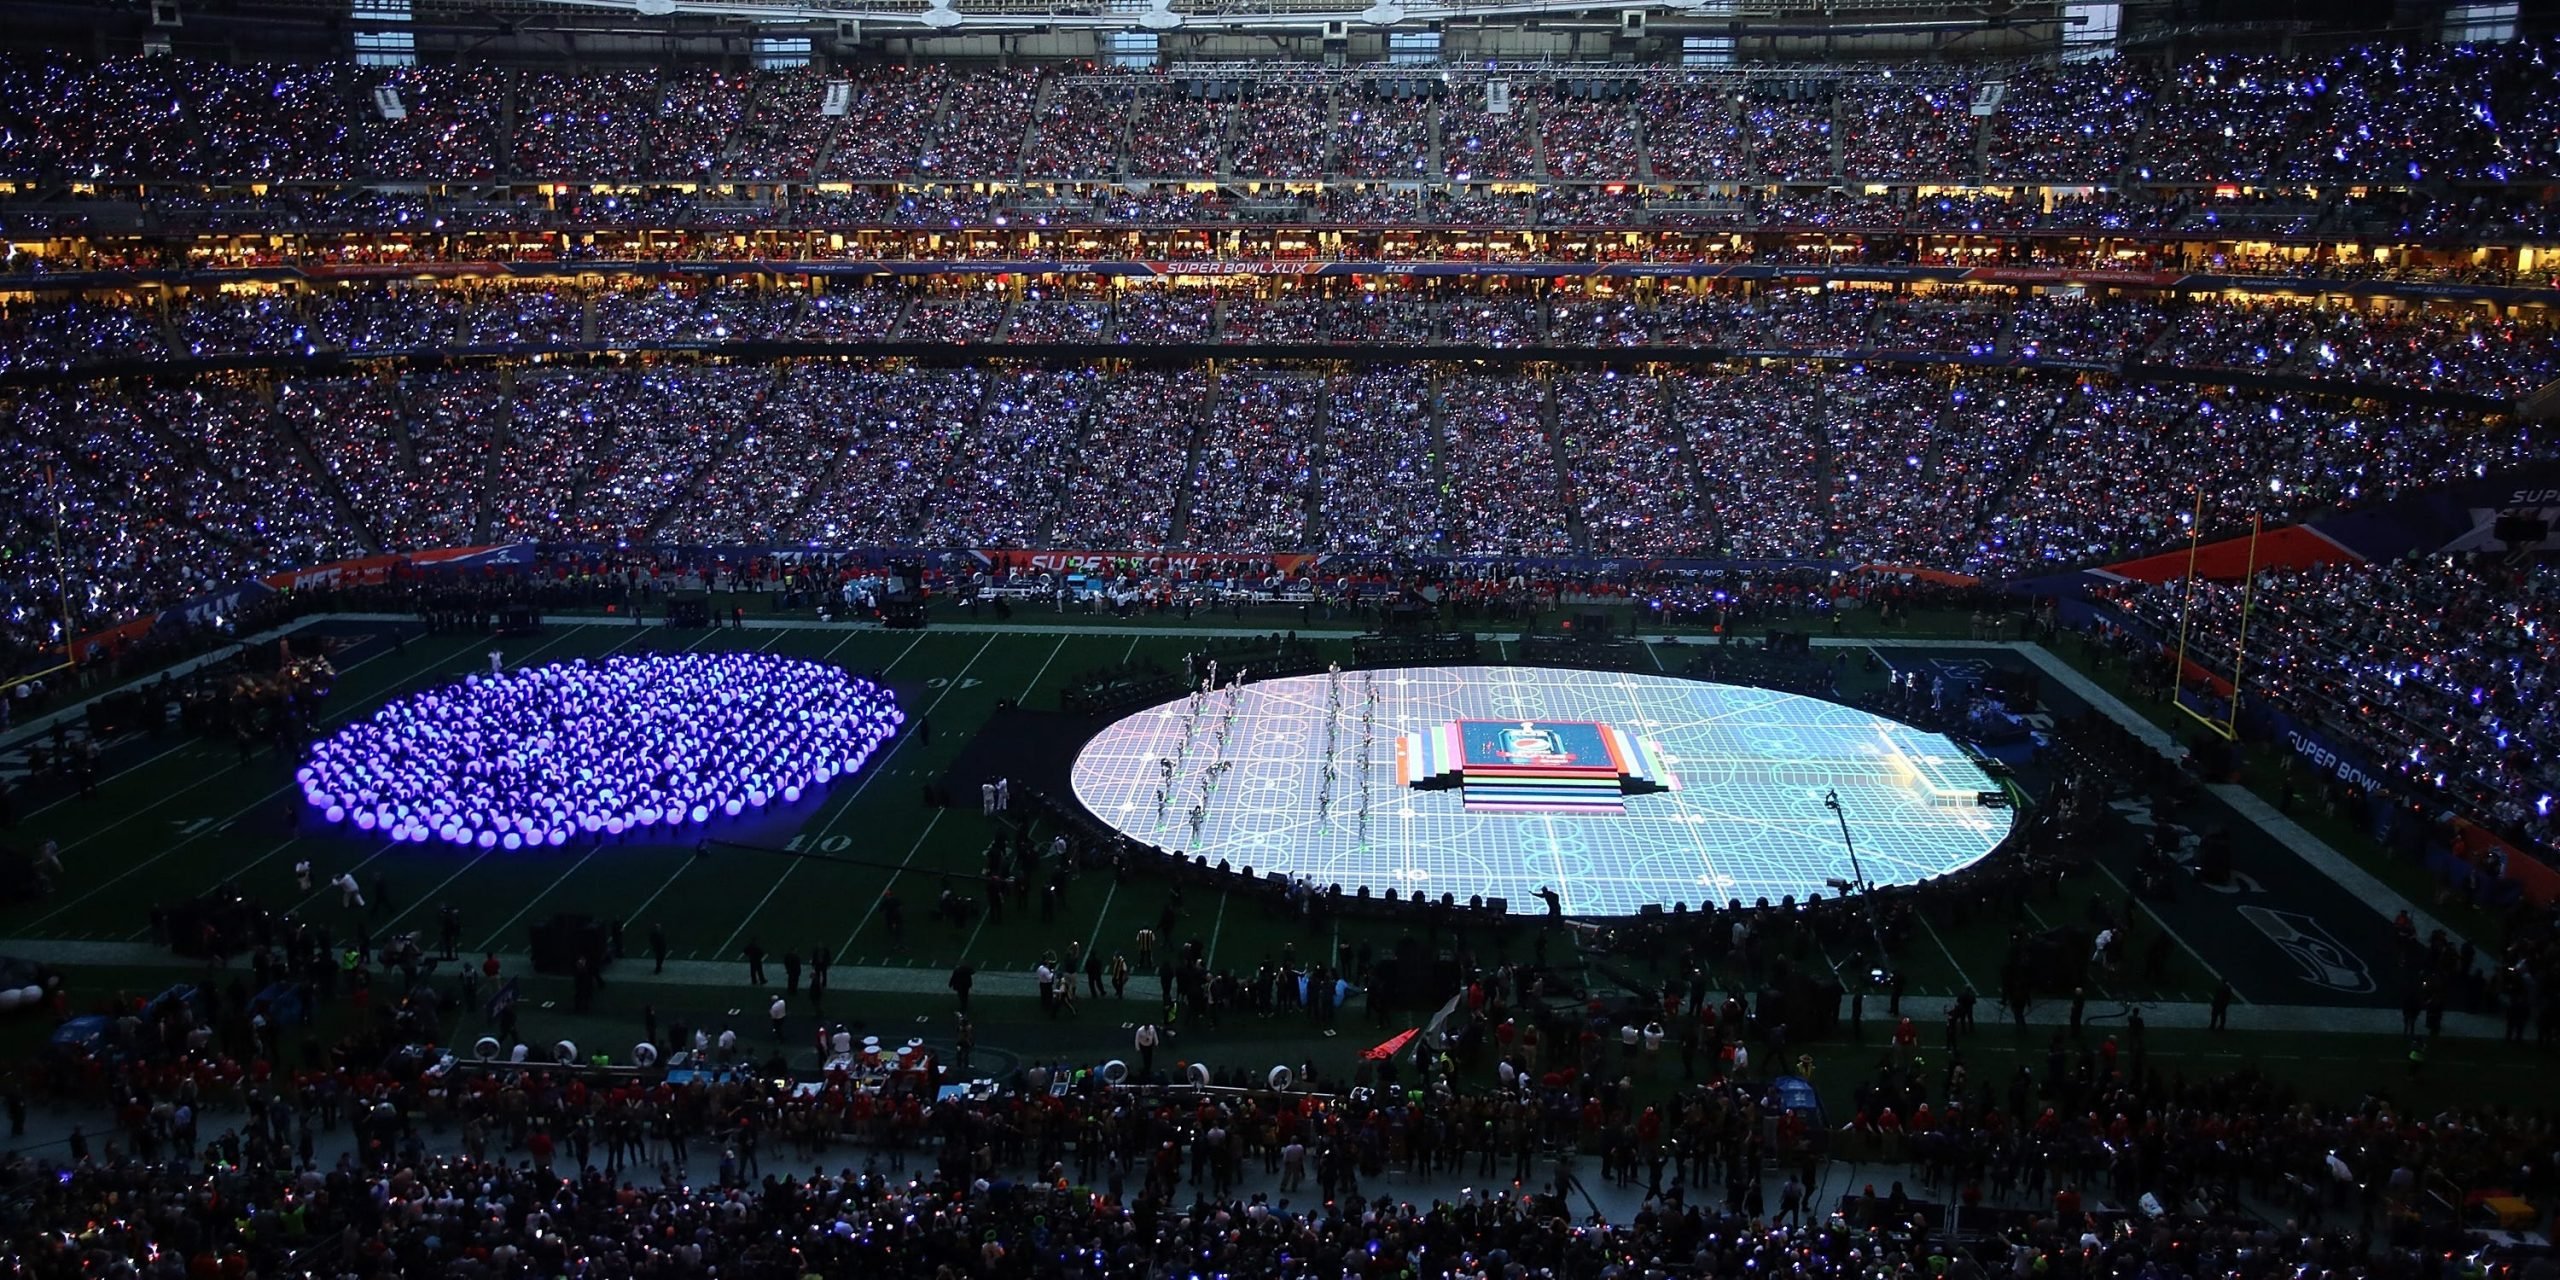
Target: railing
{"type": "Point", "coordinates": [2543, 402]}
{"type": "Point", "coordinates": [1306, 73]}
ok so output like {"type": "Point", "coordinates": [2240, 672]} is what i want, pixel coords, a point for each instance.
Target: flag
{"type": "Point", "coordinates": [1388, 1047]}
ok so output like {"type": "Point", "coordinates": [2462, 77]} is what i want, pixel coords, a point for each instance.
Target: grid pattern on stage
{"type": "Point", "coordinates": [1298, 776]}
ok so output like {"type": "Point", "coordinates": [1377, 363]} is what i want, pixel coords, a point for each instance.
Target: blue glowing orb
{"type": "Point", "coordinates": [643, 745]}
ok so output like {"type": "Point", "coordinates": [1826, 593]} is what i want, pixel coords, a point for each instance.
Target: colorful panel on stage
{"type": "Point", "coordinates": [1550, 746]}
{"type": "Point", "coordinates": [1531, 766]}
{"type": "Point", "coordinates": [1531, 793]}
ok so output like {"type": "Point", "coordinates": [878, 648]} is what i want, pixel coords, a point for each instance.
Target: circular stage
{"type": "Point", "coordinates": [1618, 790]}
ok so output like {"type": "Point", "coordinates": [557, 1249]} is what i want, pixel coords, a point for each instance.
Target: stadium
{"type": "Point", "coordinates": [1881, 638]}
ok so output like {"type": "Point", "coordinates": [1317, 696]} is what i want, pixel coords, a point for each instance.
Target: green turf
{"type": "Point", "coordinates": [196, 815]}
{"type": "Point", "coordinates": [187, 821]}
{"type": "Point", "coordinates": [2269, 770]}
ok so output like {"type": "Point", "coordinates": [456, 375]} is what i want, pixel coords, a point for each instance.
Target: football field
{"type": "Point", "coordinates": [177, 817]}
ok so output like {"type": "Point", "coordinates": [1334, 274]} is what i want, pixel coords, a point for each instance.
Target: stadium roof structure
{"type": "Point", "coordinates": [1246, 15]}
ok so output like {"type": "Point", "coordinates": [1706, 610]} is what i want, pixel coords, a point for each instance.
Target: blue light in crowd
{"type": "Point", "coordinates": [539, 756]}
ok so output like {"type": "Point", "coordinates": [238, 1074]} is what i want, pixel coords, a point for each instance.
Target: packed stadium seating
{"type": "Point", "coordinates": [2161, 137]}
{"type": "Point", "coordinates": [2459, 352]}
{"type": "Point", "coordinates": [2367, 113]}
{"type": "Point", "coordinates": [255, 453]}
{"type": "Point", "coordinates": [172, 490]}
{"type": "Point", "coordinates": [534, 1170]}
{"type": "Point", "coordinates": [2437, 672]}
{"type": "Point", "coordinates": [1701, 340]}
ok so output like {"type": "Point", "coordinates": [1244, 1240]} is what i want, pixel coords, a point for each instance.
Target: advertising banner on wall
{"type": "Point", "coordinates": [1290, 564]}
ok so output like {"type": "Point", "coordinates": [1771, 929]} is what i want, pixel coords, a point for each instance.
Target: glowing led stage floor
{"type": "Point", "coordinates": [1617, 790]}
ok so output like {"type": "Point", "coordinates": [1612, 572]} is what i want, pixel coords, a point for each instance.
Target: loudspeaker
{"type": "Point", "coordinates": [164, 13]}
{"type": "Point", "coordinates": [1631, 23]}
{"type": "Point", "coordinates": [1336, 34]}
{"type": "Point", "coordinates": [559, 942]}
{"type": "Point", "coordinates": [2520, 529]}
{"type": "Point", "coordinates": [692, 609]}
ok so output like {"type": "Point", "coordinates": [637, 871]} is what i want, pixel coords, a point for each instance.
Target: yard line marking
{"type": "Point", "coordinates": [972, 944]}
{"type": "Point", "coordinates": [636, 633]}
{"type": "Point", "coordinates": [1216, 928]}
{"type": "Point", "coordinates": [652, 899]}
{"type": "Point", "coordinates": [243, 869]}
{"type": "Point", "coordinates": [489, 943]}
{"type": "Point", "coordinates": [233, 874]}
{"type": "Point", "coordinates": [929, 825]}
{"type": "Point", "coordinates": [527, 660]}
{"type": "Point", "coordinates": [723, 948]}
{"type": "Point", "coordinates": [911, 648]}
{"type": "Point", "coordinates": [1942, 948]}
{"type": "Point", "coordinates": [210, 778]}
{"type": "Point", "coordinates": [2164, 928]}
{"type": "Point", "coordinates": [326, 888]}
{"type": "Point", "coordinates": [2047, 926]}
{"type": "Point", "coordinates": [1095, 941]}
{"type": "Point", "coordinates": [421, 899]}
{"type": "Point", "coordinates": [180, 843]}
{"type": "Point", "coordinates": [1044, 670]}
{"type": "Point", "coordinates": [1133, 651]}
{"type": "Point", "coordinates": [51, 805]}
{"type": "Point", "coordinates": [849, 634]}
{"type": "Point", "coordinates": [882, 767]}
{"type": "Point", "coordinates": [901, 740]}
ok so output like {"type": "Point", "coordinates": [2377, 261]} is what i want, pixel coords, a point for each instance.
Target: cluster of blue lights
{"type": "Point", "coordinates": [540, 756]}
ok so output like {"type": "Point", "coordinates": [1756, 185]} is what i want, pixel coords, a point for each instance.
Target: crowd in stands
{"type": "Point", "coordinates": [2437, 671]}
{"type": "Point", "coordinates": [2140, 229]}
{"type": "Point", "coordinates": [161, 492]}
{"type": "Point", "coordinates": [2432, 350]}
{"type": "Point", "coordinates": [2368, 113]}
{"type": "Point", "coordinates": [557, 1173]}
{"type": "Point", "coordinates": [2088, 1160]}
{"type": "Point", "coordinates": [126, 497]}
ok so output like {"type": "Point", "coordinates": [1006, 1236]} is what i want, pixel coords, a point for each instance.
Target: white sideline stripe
{"type": "Point", "coordinates": [2087, 690]}
{"type": "Point", "coordinates": [2317, 853]}
{"type": "Point", "coordinates": [2326, 860]}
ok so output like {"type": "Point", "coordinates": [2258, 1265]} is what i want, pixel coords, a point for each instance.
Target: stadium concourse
{"type": "Point", "coordinates": [1713, 655]}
